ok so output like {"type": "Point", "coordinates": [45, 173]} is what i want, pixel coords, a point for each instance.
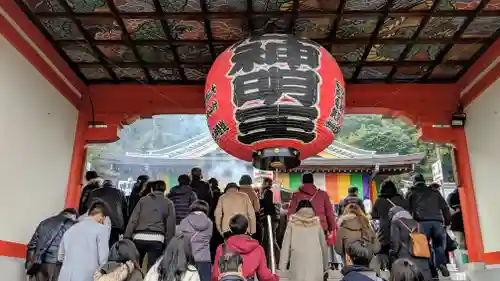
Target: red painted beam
{"type": "Point", "coordinates": [484, 72]}
{"type": "Point", "coordinates": [420, 103]}
{"type": "Point", "coordinates": [12, 249]}
{"type": "Point", "coordinates": [12, 34]}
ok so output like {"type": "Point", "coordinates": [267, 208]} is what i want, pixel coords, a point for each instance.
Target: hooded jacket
{"type": "Point", "coordinates": [427, 204]}
{"type": "Point", "coordinates": [380, 211]}
{"type": "Point", "coordinates": [321, 204]}
{"type": "Point", "coordinates": [359, 273]}
{"type": "Point", "coordinates": [304, 247]}
{"type": "Point", "coordinates": [182, 197]}
{"type": "Point", "coordinates": [86, 191]}
{"type": "Point", "coordinates": [199, 227]}
{"type": "Point", "coordinates": [115, 200]}
{"type": "Point", "coordinates": [350, 229]}
{"type": "Point", "coordinates": [254, 260]}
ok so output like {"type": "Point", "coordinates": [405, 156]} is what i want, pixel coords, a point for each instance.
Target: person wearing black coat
{"type": "Point", "coordinates": [44, 244]}
{"type": "Point", "coordinates": [138, 191]}
{"type": "Point", "coordinates": [201, 188]}
{"type": "Point", "coordinates": [457, 221]}
{"type": "Point", "coordinates": [388, 197]}
{"type": "Point", "coordinates": [352, 198]}
{"type": "Point", "coordinates": [118, 209]}
{"type": "Point", "coordinates": [93, 183]}
{"type": "Point", "coordinates": [428, 207]}
{"type": "Point", "coordinates": [401, 224]}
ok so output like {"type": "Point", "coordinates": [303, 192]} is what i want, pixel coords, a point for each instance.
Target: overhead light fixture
{"type": "Point", "coordinates": [458, 118]}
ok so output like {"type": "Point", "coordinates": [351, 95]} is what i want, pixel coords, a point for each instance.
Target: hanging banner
{"type": "Point", "coordinates": [260, 174]}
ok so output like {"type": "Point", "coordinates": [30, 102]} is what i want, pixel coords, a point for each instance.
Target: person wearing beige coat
{"type": "Point", "coordinates": [231, 203]}
{"type": "Point", "coordinates": [304, 246]}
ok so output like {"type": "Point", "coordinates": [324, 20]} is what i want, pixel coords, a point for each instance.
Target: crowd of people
{"type": "Point", "coordinates": [196, 232]}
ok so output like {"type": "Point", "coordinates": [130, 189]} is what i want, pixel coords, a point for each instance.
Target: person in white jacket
{"type": "Point", "coordinates": [177, 263]}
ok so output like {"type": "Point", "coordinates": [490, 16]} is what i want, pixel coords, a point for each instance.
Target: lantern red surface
{"type": "Point", "coordinates": [276, 92]}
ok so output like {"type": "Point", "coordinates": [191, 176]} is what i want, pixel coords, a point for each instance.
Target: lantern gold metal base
{"type": "Point", "coordinates": [276, 158]}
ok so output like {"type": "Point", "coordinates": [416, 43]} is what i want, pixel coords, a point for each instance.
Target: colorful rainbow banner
{"type": "Point", "coordinates": [170, 180]}
{"type": "Point", "coordinates": [334, 184]}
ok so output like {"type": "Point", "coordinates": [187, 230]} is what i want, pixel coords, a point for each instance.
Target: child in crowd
{"type": "Point", "coordinates": [406, 270]}
{"type": "Point", "coordinates": [123, 263]}
{"type": "Point", "coordinates": [177, 263]}
{"type": "Point", "coordinates": [360, 254]}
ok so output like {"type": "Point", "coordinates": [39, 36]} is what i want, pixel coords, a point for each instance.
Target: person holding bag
{"type": "Point", "coordinates": [41, 257]}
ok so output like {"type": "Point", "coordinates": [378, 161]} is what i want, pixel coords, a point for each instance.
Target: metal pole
{"type": "Point", "coordinates": [271, 243]}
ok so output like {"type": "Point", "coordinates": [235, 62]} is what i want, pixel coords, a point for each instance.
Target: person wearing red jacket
{"type": "Point", "coordinates": [254, 259]}
{"type": "Point", "coordinates": [320, 201]}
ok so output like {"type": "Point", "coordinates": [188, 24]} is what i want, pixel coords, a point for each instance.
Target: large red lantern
{"type": "Point", "coordinates": [274, 100]}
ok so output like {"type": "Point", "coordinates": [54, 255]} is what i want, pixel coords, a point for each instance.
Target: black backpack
{"type": "Point", "coordinates": [230, 265]}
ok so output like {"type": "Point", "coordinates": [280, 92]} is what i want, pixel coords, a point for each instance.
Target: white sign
{"type": "Point", "coordinates": [437, 172]}
{"type": "Point", "coordinates": [262, 174]}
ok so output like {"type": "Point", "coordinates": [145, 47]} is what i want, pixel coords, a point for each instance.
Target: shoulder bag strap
{"type": "Point", "coordinates": [392, 203]}
{"type": "Point", "coordinates": [54, 237]}
{"type": "Point", "coordinates": [314, 195]}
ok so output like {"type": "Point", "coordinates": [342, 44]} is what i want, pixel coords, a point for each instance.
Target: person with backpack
{"type": "Point", "coordinates": [304, 250]}
{"type": "Point", "coordinates": [320, 201]}
{"type": "Point", "coordinates": [200, 228]}
{"type": "Point", "coordinates": [123, 264]}
{"type": "Point", "coordinates": [241, 257]}
{"type": "Point", "coordinates": [428, 207]}
{"type": "Point", "coordinates": [388, 197]}
{"type": "Point", "coordinates": [354, 225]}
{"type": "Point", "coordinates": [182, 196]}
{"type": "Point", "coordinates": [152, 224]}
{"type": "Point", "coordinates": [41, 255]}
{"type": "Point", "coordinates": [177, 263]}
{"type": "Point", "coordinates": [93, 182]}
{"type": "Point", "coordinates": [408, 241]}
{"type": "Point", "coordinates": [360, 254]}
{"type": "Point", "coordinates": [352, 198]}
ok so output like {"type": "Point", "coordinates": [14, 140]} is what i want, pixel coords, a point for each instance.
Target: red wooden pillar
{"type": "Point", "coordinates": [468, 198]}
{"type": "Point", "coordinates": [74, 188]}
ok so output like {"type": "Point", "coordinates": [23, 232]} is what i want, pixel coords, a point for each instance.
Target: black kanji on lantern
{"type": "Point", "coordinates": [333, 122]}
{"type": "Point", "coordinates": [219, 130]}
{"type": "Point", "coordinates": [275, 78]}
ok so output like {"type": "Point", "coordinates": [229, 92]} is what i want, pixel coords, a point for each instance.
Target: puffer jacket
{"type": "Point", "coordinates": [350, 229]}
{"type": "Point", "coordinates": [115, 271]}
{"type": "Point", "coordinates": [426, 204]}
{"type": "Point", "coordinates": [182, 197]}
{"type": "Point", "coordinates": [86, 191]}
{"type": "Point", "coordinates": [116, 202]}
{"type": "Point", "coordinates": [199, 227]}
{"type": "Point", "coordinates": [51, 229]}
{"type": "Point", "coordinates": [321, 205]}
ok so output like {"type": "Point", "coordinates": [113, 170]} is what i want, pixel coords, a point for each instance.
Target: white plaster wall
{"type": "Point", "coordinates": [37, 129]}
{"type": "Point", "coordinates": [483, 139]}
